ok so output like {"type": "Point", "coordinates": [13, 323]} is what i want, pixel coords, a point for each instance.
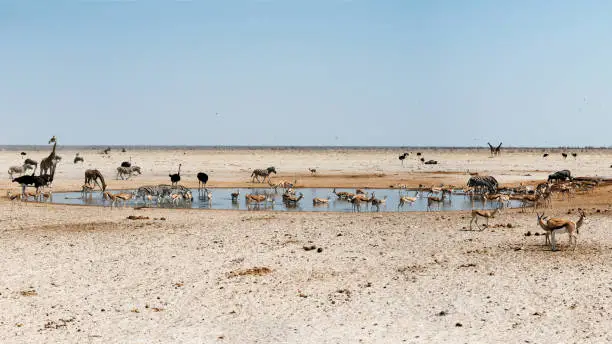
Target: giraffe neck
{"type": "Point", "coordinates": [53, 151]}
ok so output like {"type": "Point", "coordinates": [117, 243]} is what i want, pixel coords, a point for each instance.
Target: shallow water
{"type": "Point", "coordinates": [221, 199]}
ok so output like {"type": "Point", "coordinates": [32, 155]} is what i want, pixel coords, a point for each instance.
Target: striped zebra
{"type": "Point", "coordinates": [161, 190]}
{"type": "Point", "coordinates": [262, 173]}
{"type": "Point", "coordinates": [127, 171]}
{"type": "Point", "coordinates": [483, 182]}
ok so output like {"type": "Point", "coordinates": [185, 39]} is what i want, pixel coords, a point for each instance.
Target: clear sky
{"type": "Point", "coordinates": [317, 72]}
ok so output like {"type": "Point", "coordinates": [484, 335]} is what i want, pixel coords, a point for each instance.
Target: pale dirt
{"type": "Point", "coordinates": [75, 274]}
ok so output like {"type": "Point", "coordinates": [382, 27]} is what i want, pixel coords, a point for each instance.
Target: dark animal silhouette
{"type": "Point", "coordinates": [94, 176]}
{"type": "Point", "coordinates": [545, 155]}
{"type": "Point", "coordinates": [23, 154]}
{"type": "Point", "coordinates": [175, 178]}
{"type": "Point", "coordinates": [423, 160]}
{"type": "Point", "coordinates": [127, 163]}
{"type": "Point", "coordinates": [564, 155]}
{"type": "Point", "coordinates": [495, 150]}
{"type": "Point", "coordinates": [418, 153]}
{"type": "Point", "coordinates": [431, 162]}
{"type": "Point", "coordinates": [36, 181]}
{"type": "Point", "coordinates": [107, 150]}
{"type": "Point", "coordinates": [202, 179]}
{"type": "Point", "coordinates": [560, 175]}
{"type": "Point", "coordinates": [262, 173]}
{"type": "Point", "coordinates": [574, 155]}
{"type": "Point", "coordinates": [77, 158]}
{"type": "Point", "coordinates": [484, 183]}
{"type": "Point", "coordinates": [403, 157]}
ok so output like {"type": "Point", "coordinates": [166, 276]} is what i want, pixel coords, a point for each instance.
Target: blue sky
{"type": "Point", "coordinates": [405, 73]}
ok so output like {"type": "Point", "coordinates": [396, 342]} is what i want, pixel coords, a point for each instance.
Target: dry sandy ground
{"type": "Point", "coordinates": [76, 274]}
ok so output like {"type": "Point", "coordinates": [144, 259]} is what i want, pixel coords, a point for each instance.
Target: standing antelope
{"type": "Point", "coordinates": [433, 199]}
{"type": "Point", "coordinates": [487, 214]}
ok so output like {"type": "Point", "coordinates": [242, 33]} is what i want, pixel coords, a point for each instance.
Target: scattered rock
{"type": "Point", "coordinates": [319, 250]}
{"type": "Point", "coordinates": [528, 233]}
{"type": "Point", "coordinates": [442, 313]}
{"type": "Point", "coordinates": [509, 225]}
{"type": "Point", "coordinates": [162, 218]}
{"type": "Point", "coordinates": [469, 265]}
{"type": "Point", "coordinates": [308, 248]}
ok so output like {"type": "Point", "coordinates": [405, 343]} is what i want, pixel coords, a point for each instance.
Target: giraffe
{"type": "Point", "coordinates": [47, 165]}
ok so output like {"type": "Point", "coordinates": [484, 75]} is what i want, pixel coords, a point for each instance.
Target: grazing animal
{"type": "Point", "coordinates": [128, 171]}
{"type": "Point", "coordinates": [483, 213]}
{"type": "Point", "coordinates": [319, 201]}
{"type": "Point", "coordinates": [92, 176]}
{"type": "Point", "coordinates": [262, 173]}
{"type": "Point", "coordinates": [292, 200]}
{"type": "Point", "coordinates": [235, 195]}
{"type": "Point", "coordinates": [343, 194]}
{"type": "Point", "coordinates": [120, 197]}
{"type": "Point", "coordinates": [406, 199]}
{"type": "Point", "coordinates": [560, 175]}
{"type": "Point", "coordinates": [202, 179]}
{"type": "Point", "coordinates": [545, 155]}
{"type": "Point", "coordinates": [558, 225]}
{"type": "Point", "coordinates": [564, 155]}
{"type": "Point", "coordinates": [254, 198]}
{"type": "Point", "coordinates": [18, 170]}
{"type": "Point", "coordinates": [484, 183]}
{"type": "Point", "coordinates": [78, 158]}
{"type": "Point", "coordinates": [403, 157]}
{"type": "Point", "coordinates": [495, 150]}
{"type": "Point", "coordinates": [575, 155]}
{"type": "Point", "coordinates": [487, 214]}
{"type": "Point", "coordinates": [377, 202]}
{"type": "Point", "coordinates": [434, 199]}
{"type": "Point", "coordinates": [31, 162]}
{"type": "Point", "coordinates": [313, 171]}
{"type": "Point", "coordinates": [175, 178]}
{"type": "Point", "coordinates": [47, 165]}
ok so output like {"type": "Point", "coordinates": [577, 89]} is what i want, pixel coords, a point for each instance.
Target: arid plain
{"type": "Point", "coordinates": [78, 274]}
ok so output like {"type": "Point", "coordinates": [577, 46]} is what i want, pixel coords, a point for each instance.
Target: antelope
{"type": "Point", "coordinates": [433, 199]}
{"type": "Point", "coordinates": [235, 195]}
{"type": "Point", "coordinates": [482, 213]}
{"type": "Point", "coordinates": [558, 225]}
{"type": "Point", "coordinates": [356, 202]}
{"type": "Point", "coordinates": [11, 196]}
{"type": "Point", "coordinates": [406, 199]}
{"type": "Point", "coordinates": [44, 196]}
{"type": "Point", "coordinates": [343, 194]}
{"type": "Point", "coordinates": [254, 198]}
{"type": "Point", "coordinates": [320, 201]}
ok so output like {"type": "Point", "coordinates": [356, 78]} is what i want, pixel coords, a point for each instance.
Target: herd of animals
{"type": "Point", "coordinates": [484, 188]}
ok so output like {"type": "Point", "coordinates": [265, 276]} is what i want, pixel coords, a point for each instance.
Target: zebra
{"type": "Point", "coordinates": [129, 171]}
{"type": "Point", "coordinates": [159, 191]}
{"type": "Point", "coordinates": [483, 182]}
{"type": "Point", "coordinates": [19, 170]}
{"type": "Point", "coordinates": [262, 173]}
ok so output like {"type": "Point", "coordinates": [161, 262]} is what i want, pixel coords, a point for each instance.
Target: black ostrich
{"type": "Point", "coordinates": [574, 155]}
{"type": "Point", "coordinates": [36, 181]}
{"type": "Point", "coordinates": [403, 157]}
{"type": "Point", "coordinates": [23, 154]}
{"type": "Point", "coordinates": [78, 158]}
{"type": "Point", "coordinates": [202, 179]}
{"type": "Point", "coordinates": [564, 155]}
{"type": "Point", "coordinates": [127, 163]}
{"type": "Point", "coordinates": [423, 160]}
{"type": "Point", "coordinates": [418, 153]}
{"type": "Point", "coordinates": [545, 155]}
{"type": "Point", "coordinates": [175, 178]}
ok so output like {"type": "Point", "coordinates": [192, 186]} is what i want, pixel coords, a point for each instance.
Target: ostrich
{"type": "Point", "coordinates": [175, 178]}
{"type": "Point", "coordinates": [575, 155]}
{"type": "Point", "coordinates": [545, 155]}
{"type": "Point", "coordinates": [36, 181]}
{"type": "Point", "coordinates": [94, 176]}
{"type": "Point", "coordinates": [202, 180]}
{"type": "Point", "coordinates": [418, 153]}
{"type": "Point", "coordinates": [23, 154]}
{"type": "Point", "coordinates": [403, 157]}
{"type": "Point", "coordinates": [48, 164]}
{"type": "Point", "coordinates": [77, 158]}
{"type": "Point", "coordinates": [423, 160]}
{"type": "Point", "coordinates": [127, 163]}
{"type": "Point", "coordinates": [564, 155]}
